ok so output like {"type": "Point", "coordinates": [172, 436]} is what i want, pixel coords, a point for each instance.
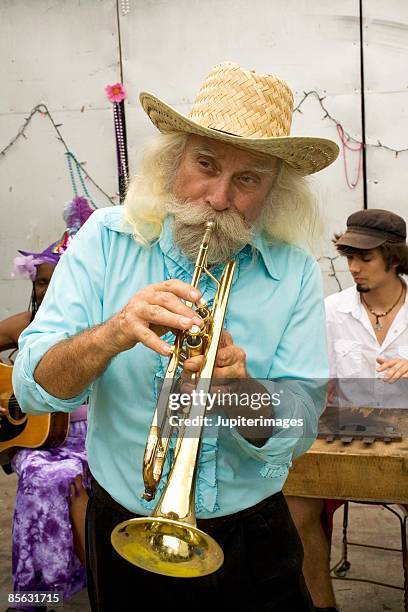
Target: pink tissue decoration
{"type": "Point", "coordinates": [116, 92]}
{"type": "Point", "coordinates": [25, 266]}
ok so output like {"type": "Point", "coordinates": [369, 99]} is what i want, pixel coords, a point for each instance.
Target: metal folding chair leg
{"type": "Point", "coordinates": [341, 568]}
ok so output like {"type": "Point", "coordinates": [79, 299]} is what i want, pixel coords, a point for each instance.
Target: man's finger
{"type": "Point", "coordinates": [170, 302]}
{"type": "Point", "coordinates": [158, 315]}
{"type": "Point", "coordinates": [225, 357]}
{"type": "Point", "coordinates": [181, 289]}
{"type": "Point", "coordinates": [151, 340]}
{"type": "Point", "coordinates": [226, 339]}
{"type": "Point", "coordinates": [396, 372]}
{"type": "Point", "coordinates": [387, 364]}
{"type": "Point", "coordinates": [193, 364]}
{"type": "Point", "coordinates": [225, 373]}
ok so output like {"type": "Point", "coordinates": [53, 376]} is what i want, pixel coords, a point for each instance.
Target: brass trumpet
{"type": "Point", "coordinates": [169, 542]}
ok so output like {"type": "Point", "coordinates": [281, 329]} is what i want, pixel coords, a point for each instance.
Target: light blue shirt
{"type": "Point", "coordinates": [275, 313]}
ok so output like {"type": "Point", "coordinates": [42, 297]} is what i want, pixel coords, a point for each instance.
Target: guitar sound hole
{"type": "Point", "coordinates": [16, 415]}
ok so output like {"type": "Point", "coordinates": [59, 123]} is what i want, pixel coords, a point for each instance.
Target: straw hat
{"type": "Point", "coordinates": [249, 110]}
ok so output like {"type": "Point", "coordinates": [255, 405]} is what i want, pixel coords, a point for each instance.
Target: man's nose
{"type": "Point", "coordinates": [354, 266]}
{"type": "Point", "coordinates": [219, 193]}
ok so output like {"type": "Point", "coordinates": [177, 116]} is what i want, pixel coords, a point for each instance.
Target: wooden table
{"type": "Point", "coordinates": [355, 471]}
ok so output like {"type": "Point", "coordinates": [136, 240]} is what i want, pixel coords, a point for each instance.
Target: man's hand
{"type": "Point", "coordinates": [230, 361]}
{"type": "Point", "coordinates": [69, 366]}
{"type": "Point", "coordinates": [229, 369]}
{"type": "Point", "coordinates": [152, 312]}
{"type": "Point", "coordinates": [394, 369]}
{"type": "Point", "coordinates": [230, 365]}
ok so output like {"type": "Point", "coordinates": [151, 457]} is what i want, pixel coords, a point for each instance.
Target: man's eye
{"type": "Point", "coordinates": [248, 180]}
{"type": "Point", "coordinates": [204, 163]}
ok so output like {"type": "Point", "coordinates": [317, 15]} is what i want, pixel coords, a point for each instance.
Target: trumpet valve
{"type": "Point", "coordinates": [194, 341]}
{"type": "Point", "coordinates": [204, 313]}
{"type": "Point", "coordinates": [182, 357]}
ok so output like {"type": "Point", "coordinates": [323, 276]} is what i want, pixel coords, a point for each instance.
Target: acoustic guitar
{"type": "Point", "coordinates": [19, 430]}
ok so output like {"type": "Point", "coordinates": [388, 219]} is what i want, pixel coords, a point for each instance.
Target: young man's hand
{"type": "Point", "coordinates": [394, 369]}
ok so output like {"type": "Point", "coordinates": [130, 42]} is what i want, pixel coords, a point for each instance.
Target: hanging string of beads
{"type": "Point", "coordinates": [72, 161]}
{"type": "Point", "coordinates": [347, 147]}
{"type": "Point", "coordinates": [117, 94]}
{"type": "Point", "coordinates": [125, 4]}
{"type": "Point", "coordinates": [120, 144]}
{"type": "Point", "coordinates": [43, 111]}
{"type": "Point", "coordinates": [346, 138]}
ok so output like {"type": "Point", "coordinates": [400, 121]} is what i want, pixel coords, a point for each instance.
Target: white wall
{"type": "Point", "coordinates": [63, 53]}
{"type": "Point", "coordinates": [386, 80]}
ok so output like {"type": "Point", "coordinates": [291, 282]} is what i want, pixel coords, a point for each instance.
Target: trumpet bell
{"type": "Point", "coordinates": [168, 547]}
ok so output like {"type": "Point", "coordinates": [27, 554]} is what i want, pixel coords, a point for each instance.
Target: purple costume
{"type": "Point", "coordinates": [43, 548]}
{"type": "Point", "coordinates": [43, 553]}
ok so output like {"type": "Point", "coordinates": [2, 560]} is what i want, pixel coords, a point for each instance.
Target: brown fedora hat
{"type": "Point", "coordinates": [248, 110]}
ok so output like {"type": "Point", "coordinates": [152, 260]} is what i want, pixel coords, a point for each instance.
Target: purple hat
{"type": "Point", "coordinates": [76, 213]}
{"type": "Point", "coordinates": [26, 266]}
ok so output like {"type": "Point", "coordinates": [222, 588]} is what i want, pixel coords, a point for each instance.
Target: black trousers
{"type": "Point", "coordinates": [262, 569]}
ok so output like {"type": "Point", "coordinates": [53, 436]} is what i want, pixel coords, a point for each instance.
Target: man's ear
{"type": "Point", "coordinates": [394, 263]}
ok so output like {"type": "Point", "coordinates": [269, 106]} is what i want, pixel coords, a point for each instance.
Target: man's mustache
{"type": "Point", "coordinates": [194, 212]}
{"type": "Point", "coordinates": [231, 231]}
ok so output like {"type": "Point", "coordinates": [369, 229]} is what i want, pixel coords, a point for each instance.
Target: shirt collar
{"type": "Point", "coordinates": [169, 249]}
{"type": "Point", "coordinates": [352, 304]}
{"type": "Point", "coordinates": [264, 248]}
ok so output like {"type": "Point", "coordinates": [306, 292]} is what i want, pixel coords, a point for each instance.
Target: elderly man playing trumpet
{"type": "Point", "coordinates": [106, 330]}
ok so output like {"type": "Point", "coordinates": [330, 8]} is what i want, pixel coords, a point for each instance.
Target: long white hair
{"type": "Point", "coordinates": [290, 213]}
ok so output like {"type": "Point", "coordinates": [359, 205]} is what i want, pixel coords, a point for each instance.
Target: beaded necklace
{"type": "Point", "coordinates": [73, 162]}
{"type": "Point", "coordinates": [379, 316]}
{"type": "Point", "coordinates": [118, 116]}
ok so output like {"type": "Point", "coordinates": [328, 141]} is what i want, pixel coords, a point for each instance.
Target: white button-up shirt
{"type": "Point", "coordinates": [354, 348]}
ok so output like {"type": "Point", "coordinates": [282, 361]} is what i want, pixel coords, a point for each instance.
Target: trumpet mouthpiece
{"type": "Point", "coordinates": [209, 224]}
